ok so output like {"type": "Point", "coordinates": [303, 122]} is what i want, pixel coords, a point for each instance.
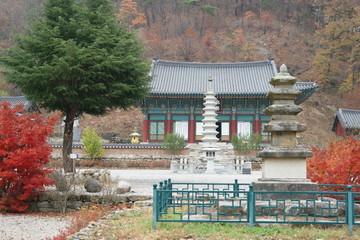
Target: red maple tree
{"type": "Point", "coordinates": [23, 154]}
{"type": "Point", "coordinates": [338, 163]}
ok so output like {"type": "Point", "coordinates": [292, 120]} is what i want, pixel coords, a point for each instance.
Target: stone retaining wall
{"type": "Point", "coordinates": [52, 201]}
{"type": "Point", "coordinates": [119, 152]}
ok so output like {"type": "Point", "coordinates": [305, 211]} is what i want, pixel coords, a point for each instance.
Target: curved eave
{"type": "Point", "coordinates": [305, 94]}
{"type": "Point", "coordinates": [201, 95]}
{"type": "Point", "coordinates": [334, 124]}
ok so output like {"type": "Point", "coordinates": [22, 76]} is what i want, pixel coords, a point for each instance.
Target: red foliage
{"type": "Point", "coordinates": [83, 217]}
{"type": "Point", "coordinates": [23, 153]}
{"type": "Point", "coordinates": [339, 163]}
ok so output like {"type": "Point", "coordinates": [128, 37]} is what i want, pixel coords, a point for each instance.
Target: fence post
{"type": "Point", "coordinates": [236, 188]}
{"type": "Point", "coordinates": [155, 207]}
{"type": "Point", "coordinates": [169, 195]}
{"type": "Point", "coordinates": [161, 196]}
{"type": "Point", "coordinates": [251, 206]}
{"type": "Point", "coordinates": [350, 209]}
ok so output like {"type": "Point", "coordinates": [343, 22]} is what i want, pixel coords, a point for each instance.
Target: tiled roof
{"type": "Point", "coordinates": [349, 119]}
{"type": "Point", "coordinates": [185, 78]}
{"type": "Point", "coordinates": [17, 100]}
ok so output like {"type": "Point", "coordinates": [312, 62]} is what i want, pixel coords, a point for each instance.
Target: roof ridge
{"type": "Point", "coordinates": [352, 110]}
{"type": "Point", "coordinates": [210, 64]}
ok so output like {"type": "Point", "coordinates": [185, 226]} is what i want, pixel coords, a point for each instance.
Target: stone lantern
{"type": "Point", "coordinates": [284, 162]}
{"type": "Point", "coordinates": [135, 137]}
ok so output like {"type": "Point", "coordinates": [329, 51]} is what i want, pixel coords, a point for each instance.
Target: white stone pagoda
{"type": "Point", "coordinates": [210, 146]}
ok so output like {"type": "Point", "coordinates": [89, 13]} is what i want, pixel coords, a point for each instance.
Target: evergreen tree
{"type": "Point", "coordinates": [173, 143]}
{"type": "Point", "coordinates": [243, 144]}
{"type": "Point", "coordinates": [92, 144]}
{"type": "Point", "coordinates": [76, 59]}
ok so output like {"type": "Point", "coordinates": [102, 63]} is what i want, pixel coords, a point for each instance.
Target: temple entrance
{"type": "Point", "coordinates": [218, 129]}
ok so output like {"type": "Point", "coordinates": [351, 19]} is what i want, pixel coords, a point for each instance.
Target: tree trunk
{"type": "Point", "coordinates": [68, 140]}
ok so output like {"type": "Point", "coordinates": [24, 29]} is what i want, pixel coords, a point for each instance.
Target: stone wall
{"type": "Point", "coordinates": [148, 153]}
{"type": "Point", "coordinates": [126, 152]}
{"type": "Point", "coordinates": [53, 201]}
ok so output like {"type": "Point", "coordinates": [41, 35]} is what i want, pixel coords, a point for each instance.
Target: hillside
{"type": "Point", "coordinates": [317, 40]}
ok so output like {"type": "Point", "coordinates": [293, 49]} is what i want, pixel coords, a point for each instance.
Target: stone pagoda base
{"type": "Point", "coordinates": [285, 185]}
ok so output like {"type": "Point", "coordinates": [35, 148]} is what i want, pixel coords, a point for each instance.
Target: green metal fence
{"type": "Point", "coordinates": [239, 203]}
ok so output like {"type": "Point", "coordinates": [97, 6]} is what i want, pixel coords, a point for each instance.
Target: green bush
{"type": "Point", "coordinates": [92, 143]}
{"type": "Point", "coordinates": [173, 143]}
{"type": "Point", "coordinates": [244, 144]}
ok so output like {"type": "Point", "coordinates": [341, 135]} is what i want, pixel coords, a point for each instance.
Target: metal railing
{"type": "Point", "coordinates": [239, 203]}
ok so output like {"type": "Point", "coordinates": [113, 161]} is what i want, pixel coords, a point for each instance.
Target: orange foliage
{"type": "Point", "coordinates": [189, 33]}
{"type": "Point", "coordinates": [129, 14]}
{"type": "Point", "coordinates": [266, 18]}
{"type": "Point", "coordinates": [250, 17]}
{"type": "Point", "coordinates": [339, 163]}
{"type": "Point", "coordinates": [237, 38]}
{"type": "Point", "coordinates": [208, 40]}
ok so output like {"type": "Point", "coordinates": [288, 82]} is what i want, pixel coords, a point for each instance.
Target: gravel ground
{"type": "Point", "coordinates": [31, 226]}
{"type": "Point", "coordinates": [142, 180]}
{"type": "Point", "coordinates": [41, 226]}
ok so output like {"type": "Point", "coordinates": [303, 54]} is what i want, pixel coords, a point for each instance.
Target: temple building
{"type": "Point", "coordinates": [347, 122]}
{"type": "Point", "coordinates": [175, 102]}
{"type": "Point", "coordinates": [28, 105]}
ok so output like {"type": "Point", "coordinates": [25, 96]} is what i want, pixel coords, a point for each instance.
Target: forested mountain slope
{"type": "Point", "coordinates": [319, 40]}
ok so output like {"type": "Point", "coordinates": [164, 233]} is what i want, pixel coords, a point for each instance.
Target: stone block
{"type": "Point", "coordinates": [146, 203]}
{"type": "Point", "coordinates": [47, 210]}
{"type": "Point", "coordinates": [120, 199]}
{"type": "Point", "coordinates": [74, 204]}
{"type": "Point", "coordinates": [92, 185]}
{"type": "Point", "coordinates": [95, 199]}
{"type": "Point", "coordinates": [230, 208]}
{"type": "Point", "coordinates": [58, 204]}
{"type": "Point", "coordinates": [44, 204]}
{"type": "Point", "coordinates": [322, 209]}
{"type": "Point", "coordinates": [277, 186]}
{"type": "Point", "coordinates": [44, 196]}
{"type": "Point", "coordinates": [123, 187]}
{"type": "Point", "coordinates": [84, 197]}
{"type": "Point", "coordinates": [196, 217]}
{"type": "Point", "coordinates": [138, 197]}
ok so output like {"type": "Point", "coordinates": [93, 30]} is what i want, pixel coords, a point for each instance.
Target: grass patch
{"type": "Point", "coordinates": [136, 225]}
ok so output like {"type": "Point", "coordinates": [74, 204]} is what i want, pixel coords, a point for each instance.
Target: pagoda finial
{"type": "Point", "coordinates": [283, 68]}
{"type": "Point", "coordinates": [283, 71]}
{"type": "Point", "coordinates": [210, 81]}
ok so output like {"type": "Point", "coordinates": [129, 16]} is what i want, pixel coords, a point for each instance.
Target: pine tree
{"type": "Point", "coordinates": [173, 144]}
{"type": "Point", "coordinates": [76, 59]}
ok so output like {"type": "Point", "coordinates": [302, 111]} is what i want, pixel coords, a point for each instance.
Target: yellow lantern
{"type": "Point", "coordinates": [135, 137]}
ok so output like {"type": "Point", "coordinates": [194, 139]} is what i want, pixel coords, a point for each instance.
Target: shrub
{"type": "Point", "coordinates": [23, 154]}
{"type": "Point", "coordinates": [244, 144]}
{"type": "Point", "coordinates": [92, 143]}
{"type": "Point", "coordinates": [173, 143]}
{"type": "Point", "coordinates": [338, 163]}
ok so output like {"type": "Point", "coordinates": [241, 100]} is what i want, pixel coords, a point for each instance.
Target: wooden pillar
{"type": "Point", "coordinates": [257, 123]}
{"type": "Point", "coordinates": [191, 130]}
{"type": "Point", "coordinates": [233, 123]}
{"type": "Point", "coordinates": [168, 128]}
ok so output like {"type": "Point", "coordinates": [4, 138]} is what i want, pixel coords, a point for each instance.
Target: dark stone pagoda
{"type": "Point", "coordinates": [175, 103]}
